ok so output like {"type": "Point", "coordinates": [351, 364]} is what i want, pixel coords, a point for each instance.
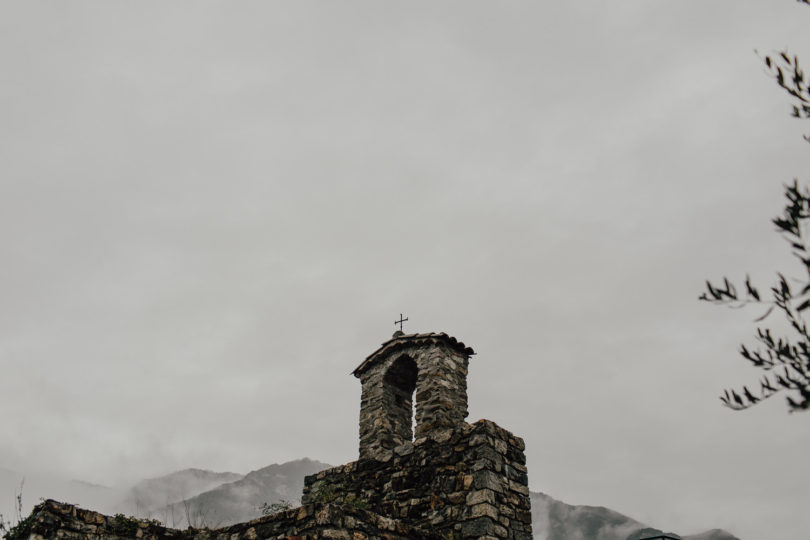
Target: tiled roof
{"type": "Point", "coordinates": [402, 341]}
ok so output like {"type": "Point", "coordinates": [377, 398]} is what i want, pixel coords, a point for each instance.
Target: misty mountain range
{"type": "Point", "coordinates": [556, 520]}
{"type": "Point", "coordinates": [206, 498]}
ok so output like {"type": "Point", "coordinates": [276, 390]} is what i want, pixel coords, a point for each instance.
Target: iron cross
{"type": "Point", "coordinates": [400, 321]}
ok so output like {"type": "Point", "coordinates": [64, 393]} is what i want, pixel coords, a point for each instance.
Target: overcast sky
{"type": "Point", "coordinates": [211, 212]}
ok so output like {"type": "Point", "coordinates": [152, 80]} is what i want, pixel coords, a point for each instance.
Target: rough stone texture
{"type": "Point", "coordinates": [54, 520]}
{"type": "Point", "coordinates": [431, 366]}
{"type": "Point", "coordinates": [469, 481]}
{"type": "Point", "coordinates": [453, 481]}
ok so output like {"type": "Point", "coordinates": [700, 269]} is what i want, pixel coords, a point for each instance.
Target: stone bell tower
{"type": "Point", "coordinates": [433, 368]}
{"type": "Point", "coordinates": [442, 478]}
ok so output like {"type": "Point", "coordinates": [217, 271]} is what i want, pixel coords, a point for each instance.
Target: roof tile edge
{"type": "Point", "coordinates": [399, 341]}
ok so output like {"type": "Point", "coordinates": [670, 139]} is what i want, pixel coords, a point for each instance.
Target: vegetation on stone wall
{"type": "Point", "coordinates": [20, 531]}
{"type": "Point", "coordinates": [124, 525]}
{"type": "Point", "coordinates": [324, 493]}
{"type": "Point", "coordinates": [356, 502]}
{"type": "Point", "coordinates": [268, 509]}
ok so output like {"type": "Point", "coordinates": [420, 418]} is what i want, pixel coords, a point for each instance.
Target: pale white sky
{"type": "Point", "coordinates": [211, 212]}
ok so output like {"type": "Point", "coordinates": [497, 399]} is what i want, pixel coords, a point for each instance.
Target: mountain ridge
{"type": "Point", "coordinates": [154, 493]}
{"type": "Point", "coordinates": [240, 500]}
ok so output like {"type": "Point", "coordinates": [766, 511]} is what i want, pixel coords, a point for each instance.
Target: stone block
{"type": "Point", "coordinates": [457, 497]}
{"type": "Point", "coordinates": [477, 528]}
{"type": "Point", "coordinates": [518, 488]}
{"type": "Point", "coordinates": [488, 480]}
{"type": "Point", "coordinates": [523, 516]}
{"type": "Point", "coordinates": [506, 510]}
{"type": "Point", "coordinates": [484, 509]}
{"type": "Point", "coordinates": [467, 481]}
{"type": "Point", "coordinates": [480, 496]}
{"type": "Point", "coordinates": [335, 534]}
{"type": "Point", "coordinates": [500, 531]}
{"type": "Point", "coordinates": [478, 438]}
{"type": "Point", "coordinates": [404, 449]}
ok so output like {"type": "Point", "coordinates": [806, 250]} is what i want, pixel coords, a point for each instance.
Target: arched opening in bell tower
{"type": "Point", "coordinates": [399, 385]}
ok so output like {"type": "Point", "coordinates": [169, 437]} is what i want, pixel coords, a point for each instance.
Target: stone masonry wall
{"type": "Point", "coordinates": [445, 479]}
{"type": "Point", "coordinates": [466, 482]}
{"type": "Point", "coordinates": [52, 520]}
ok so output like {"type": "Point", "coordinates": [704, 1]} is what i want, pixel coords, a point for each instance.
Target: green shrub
{"type": "Point", "coordinates": [124, 525]}
{"type": "Point", "coordinates": [356, 502]}
{"type": "Point", "coordinates": [20, 531]}
{"type": "Point", "coordinates": [268, 509]}
{"type": "Point", "coordinates": [324, 493]}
